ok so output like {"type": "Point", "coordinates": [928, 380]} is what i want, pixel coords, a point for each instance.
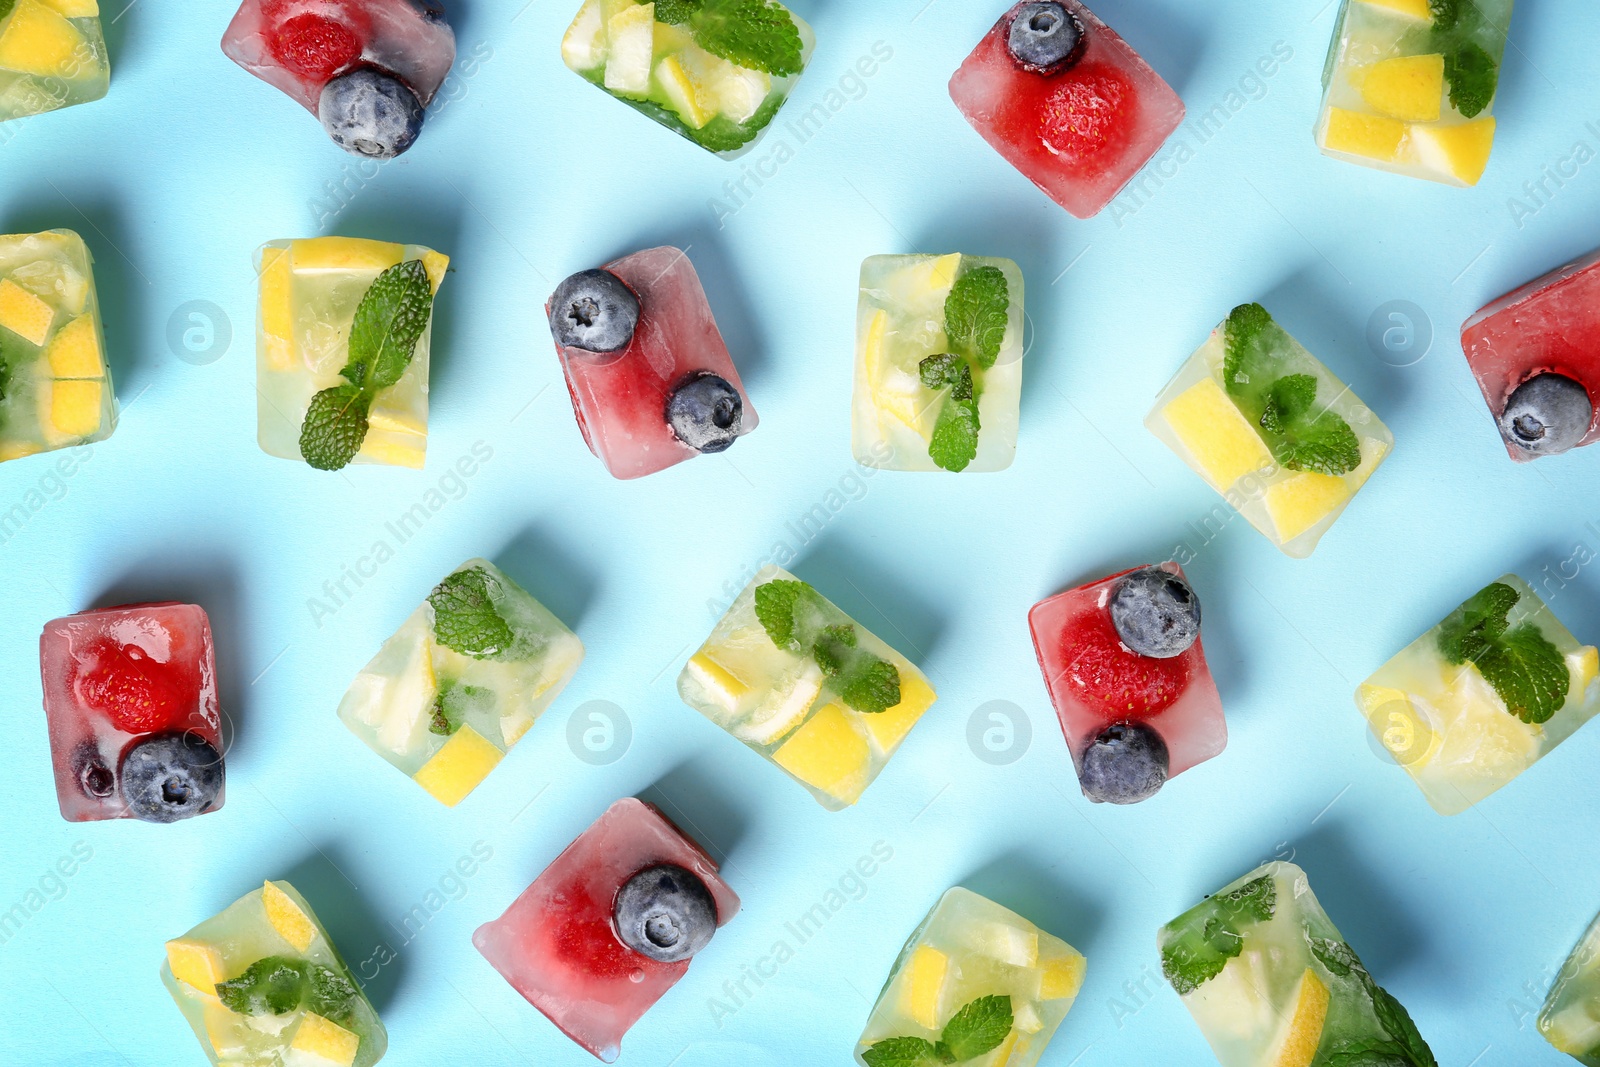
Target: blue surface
{"type": "Point", "coordinates": [190, 164]}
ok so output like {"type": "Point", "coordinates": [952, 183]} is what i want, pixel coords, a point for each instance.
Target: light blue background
{"type": "Point", "coordinates": [528, 174]}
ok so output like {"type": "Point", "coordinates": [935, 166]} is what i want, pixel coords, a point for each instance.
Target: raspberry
{"type": "Point", "coordinates": [134, 691]}
{"type": "Point", "coordinates": [314, 46]}
{"type": "Point", "coordinates": [1103, 674]}
{"type": "Point", "coordinates": [587, 939]}
{"type": "Point", "coordinates": [1089, 115]}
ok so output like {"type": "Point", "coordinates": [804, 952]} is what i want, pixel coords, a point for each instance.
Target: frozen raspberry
{"type": "Point", "coordinates": [134, 691]}
{"type": "Point", "coordinates": [587, 939]}
{"type": "Point", "coordinates": [314, 45]}
{"type": "Point", "coordinates": [1089, 115]}
{"type": "Point", "coordinates": [1105, 675]}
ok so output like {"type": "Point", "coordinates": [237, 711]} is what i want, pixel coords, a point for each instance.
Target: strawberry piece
{"type": "Point", "coordinates": [588, 941]}
{"type": "Point", "coordinates": [1106, 675]}
{"type": "Point", "coordinates": [138, 694]}
{"type": "Point", "coordinates": [314, 45]}
{"type": "Point", "coordinates": [1089, 115]}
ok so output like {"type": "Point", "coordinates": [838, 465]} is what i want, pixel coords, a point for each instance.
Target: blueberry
{"type": "Point", "coordinates": [706, 412]}
{"type": "Point", "coordinates": [665, 913]}
{"type": "Point", "coordinates": [167, 777]}
{"type": "Point", "coordinates": [1127, 763]}
{"type": "Point", "coordinates": [594, 310]}
{"type": "Point", "coordinates": [91, 772]}
{"type": "Point", "coordinates": [1045, 37]}
{"type": "Point", "coordinates": [1155, 612]}
{"type": "Point", "coordinates": [1547, 415]}
{"type": "Point", "coordinates": [370, 113]}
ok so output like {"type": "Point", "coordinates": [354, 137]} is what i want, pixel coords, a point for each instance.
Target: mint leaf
{"type": "Point", "coordinates": [1406, 1048]}
{"type": "Point", "coordinates": [388, 324]}
{"type": "Point", "coordinates": [1474, 77]}
{"type": "Point", "coordinates": [869, 684]}
{"type": "Point", "coordinates": [979, 1028]}
{"type": "Point", "coordinates": [976, 314]}
{"type": "Point", "coordinates": [454, 703]}
{"type": "Point", "coordinates": [754, 34]}
{"type": "Point", "coordinates": [943, 370]}
{"type": "Point", "coordinates": [1303, 438]}
{"type": "Point", "coordinates": [330, 995]}
{"type": "Point", "coordinates": [775, 604]}
{"type": "Point", "coordinates": [1381, 1054]}
{"type": "Point", "coordinates": [1288, 400]}
{"type": "Point", "coordinates": [464, 615]}
{"type": "Point", "coordinates": [1524, 668]}
{"type": "Point", "coordinates": [1247, 355]}
{"type": "Point", "coordinates": [335, 427]}
{"type": "Point", "coordinates": [1337, 956]}
{"type": "Point", "coordinates": [904, 1052]}
{"type": "Point", "coordinates": [954, 443]}
{"type": "Point", "coordinates": [1397, 1023]}
{"type": "Point", "coordinates": [1256, 899]}
{"type": "Point", "coordinates": [5, 7]}
{"type": "Point", "coordinates": [274, 985]}
{"type": "Point", "coordinates": [1200, 952]}
{"type": "Point", "coordinates": [676, 12]}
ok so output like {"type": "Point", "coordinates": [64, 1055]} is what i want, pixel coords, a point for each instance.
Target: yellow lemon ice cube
{"type": "Point", "coordinates": [1417, 9]}
{"type": "Point", "coordinates": [39, 40]}
{"type": "Point", "coordinates": [292, 924]}
{"type": "Point", "coordinates": [435, 263]}
{"type": "Point", "coordinates": [1370, 136]}
{"type": "Point", "coordinates": [1216, 434]}
{"type": "Point", "coordinates": [1460, 149]}
{"type": "Point", "coordinates": [683, 93]}
{"type": "Point", "coordinates": [457, 768]}
{"type": "Point", "coordinates": [632, 47]}
{"type": "Point", "coordinates": [344, 253]}
{"type": "Point", "coordinates": [24, 314]}
{"type": "Point", "coordinates": [1406, 87]}
{"type": "Point", "coordinates": [1061, 977]}
{"type": "Point", "coordinates": [75, 407]}
{"type": "Point", "coordinates": [829, 755]}
{"type": "Point", "coordinates": [1303, 1030]}
{"type": "Point", "coordinates": [74, 351]}
{"type": "Point", "coordinates": [196, 963]}
{"type": "Point", "coordinates": [887, 729]}
{"type": "Point", "coordinates": [923, 985]}
{"type": "Point", "coordinates": [325, 1041]}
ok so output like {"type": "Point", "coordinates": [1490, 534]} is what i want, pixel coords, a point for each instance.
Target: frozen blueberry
{"type": "Point", "coordinates": [666, 913]}
{"type": "Point", "coordinates": [1045, 36]}
{"type": "Point", "coordinates": [1127, 763]}
{"type": "Point", "coordinates": [168, 777]}
{"type": "Point", "coordinates": [91, 772]}
{"type": "Point", "coordinates": [1547, 415]}
{"type": "Point", "coordinates": [370, 113]}
{"type": "Point", "coordinates": [706, 412]}
{"type": "Point", "coordinates": [1155, 612]}
{"type": "Point", "coordinates": [594, 310]}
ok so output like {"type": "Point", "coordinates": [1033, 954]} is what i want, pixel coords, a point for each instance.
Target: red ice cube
{"type": "Point", "coordinates": [558, 945]}
{"type": "Point", "coordinates": [1079, 131]}
{"type": "Point", "coordinates": [116, 678]}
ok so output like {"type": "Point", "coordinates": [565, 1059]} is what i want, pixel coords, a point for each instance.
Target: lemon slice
{"type": "Point", "coordinates": [1297, 1047]}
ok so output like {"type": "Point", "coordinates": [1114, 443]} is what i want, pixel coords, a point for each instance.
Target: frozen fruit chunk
{"type": "Point", "coordinates": [1541, 338]}
{"type": "Point", "coordinates": [294, 925]}
{"type": "Point", "coordinates": [797, 680]}
{"type": "Point", "coordinates": [329, 307]}
{"type": "Point", "coordinates": [367, 69]}
{"type": "Point", "coordinates": [281, 1004]}
{"type": "Point", "coordinates": [52, 55]}
{"type": "Point", "coordinates": [1078, 125]}
{"type": "Point", "coordinates": [1264, 971]}
{"type": "Point", "coordinates": [1308, 422]}
{"type": "Point", "coordinates": [25, 314]}
{"type": "Point", "coordinates": [196, 963]}
{"type": "Point", "coordinates": [649, 375]}
{"type": "Point", "coordinates": [965, 990]}
{"type": "Point", "coordinates": [938, 378]}
{"type": "Point", "coordinates": [715, 74]}
{"type": "Point", "coordinates": [74, 352]}
{"type": "Point", "coordinates": [564, 944]}
{"type": "Point", "coordinates": [462, 680]}
{"type": "Point", "coordinates": [135, 727]}
{"type": "Point", "coordinates": [1412, 98]}
{"type": "Point", "coordinates": [1132, 721]}
{"type": "Point", "coordinates": [1481, 697]}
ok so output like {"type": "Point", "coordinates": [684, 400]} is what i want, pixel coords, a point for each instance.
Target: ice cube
{"type": "Point", "coordinates": [52, 55]}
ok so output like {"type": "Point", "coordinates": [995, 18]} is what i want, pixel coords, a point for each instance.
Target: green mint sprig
{"type": "Point", "coordinates": [388, 324]}
{"type": "Point", "coordinates": [754, 34]}
{"type": "Point", "coordinates": [1472, 73]}
{"type": "Point", "coordinates": [976, 1030]}
{"type": "Point", "coordinates": [278, 985]}
{"type": "Point", "coordinates": [464, 616]}
{"type": "Point", "coordinates": [977, 313]}
{"type": "Point", "coordinates": [1404, 1047]}
{"type": "Point", "coordinates": [797, 618]}
{"type": "Point", "coordinates": [6, 6]}
{"type": "Point", "coordinates": [1301, 436]}
{"type": "Point", "coordinates": [454, 703]}
{"type": "Point", "coordinates": [954, 444]}
{"type": "Point", "coordinates": [1203, 949]}
{"type": "Point", "coordinates": [1523, 667]}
